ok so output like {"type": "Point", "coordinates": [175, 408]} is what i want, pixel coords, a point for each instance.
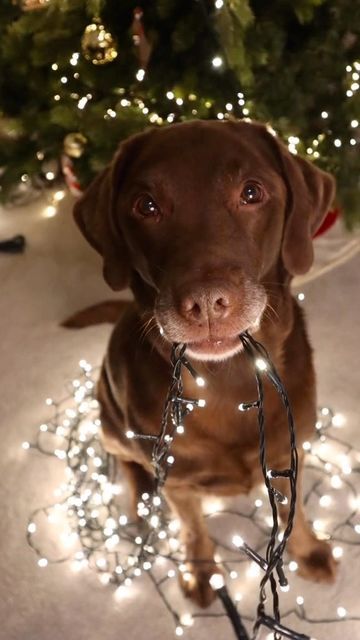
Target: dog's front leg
{"type": "Point", "coordinates": [314, 556]}
{"type": "Point", "coordinates": [200, 563]}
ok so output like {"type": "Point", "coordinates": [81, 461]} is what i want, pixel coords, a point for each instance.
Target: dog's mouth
{"type": "Point", "coordinates": [214, 348]}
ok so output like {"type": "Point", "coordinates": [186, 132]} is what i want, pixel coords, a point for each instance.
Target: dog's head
{"type": "Point", "coordinates": [195, 217]}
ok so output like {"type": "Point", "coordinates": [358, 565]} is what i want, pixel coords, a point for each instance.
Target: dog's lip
{"type": "Point", "coordinates": [214, 345]}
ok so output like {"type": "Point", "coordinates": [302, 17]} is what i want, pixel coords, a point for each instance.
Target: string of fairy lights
{"type": "Point", "coordinates": [93, 531]}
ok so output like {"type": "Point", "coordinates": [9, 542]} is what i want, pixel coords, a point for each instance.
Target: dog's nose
{"type": "Point", "coordinates": [205, 305]}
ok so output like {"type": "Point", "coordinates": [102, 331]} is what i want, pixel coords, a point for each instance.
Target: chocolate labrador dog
{"type": "Point", "coordinates": [207, 222]}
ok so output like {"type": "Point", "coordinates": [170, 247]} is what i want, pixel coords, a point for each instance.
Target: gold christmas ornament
{"type": "Point", "coordinates": [74, 144]}
{"type": "Point", "coordinates": [97, 44]}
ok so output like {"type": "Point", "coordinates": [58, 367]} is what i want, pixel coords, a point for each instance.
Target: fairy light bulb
{"type": "Point", "coordinates": [154, 521]}
{"type": "Point", "coordinates": [260, 364]}
{"type": "Point", "coordinates": [130, 434]}
{"type": "Point", "coordinates": [337, 552]}
{"type": "Point", "coordinates": [140, 75]}
{"type": "Point", "coordinates": [43, 562]}
{"type": "Point", "coordinates": [179, 631]}
{"type": "Point", "coordinates": [187, 620]}
{"type": "Point", "coordinates": [200, 381]}
{"type": "Point", "coordinates": [300, 600]}
{"type": "Point", "coordinates": [341, 612]}
{"type": "Point", "coordinates": [338, 420]}
{"type": "Point", "coordinates": [318, 525]}
{"type": "Point", "coordinates": [336, 482]}
{"type": "Point", "coordinates": [238, 541]}
{"type": "Point", "coordinates": [325, 501]}
{"type": "Point", "coordinates": [217, 581]}
{"type": "Point", "coordinates": [217, 62]}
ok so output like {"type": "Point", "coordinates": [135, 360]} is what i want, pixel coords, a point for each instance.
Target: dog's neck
{"type": "Point", "coordinates": [275, 326]}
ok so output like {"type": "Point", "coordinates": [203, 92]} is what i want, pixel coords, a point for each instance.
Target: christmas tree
{"type": "Point", "coordinates": [78, 76]}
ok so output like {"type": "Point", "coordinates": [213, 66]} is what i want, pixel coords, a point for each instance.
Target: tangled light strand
{"type": "Point", "coordinates": [111, 544]}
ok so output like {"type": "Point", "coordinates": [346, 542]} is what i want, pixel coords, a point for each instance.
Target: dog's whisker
{"type": "Point", "coordinates": [271, 308]}
{"type": "Point", "coordinates": [148, 326]}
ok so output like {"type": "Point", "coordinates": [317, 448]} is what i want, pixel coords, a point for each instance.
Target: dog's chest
{"type": "Point", "coordinates": [218, 452]}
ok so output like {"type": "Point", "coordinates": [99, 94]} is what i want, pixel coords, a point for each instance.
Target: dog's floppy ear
{"type": "Point", "coordinates": [311, 192]}
{"type": "Point", "coordinates": [95, 214]}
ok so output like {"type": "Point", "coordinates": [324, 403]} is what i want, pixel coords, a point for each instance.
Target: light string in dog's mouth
{"type": "Point", "coordinates": [175, 410]}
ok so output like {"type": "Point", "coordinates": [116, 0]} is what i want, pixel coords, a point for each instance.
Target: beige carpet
{"type": "Point", "coordinates": [57, 275]}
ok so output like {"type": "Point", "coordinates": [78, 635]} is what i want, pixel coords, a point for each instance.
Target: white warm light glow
{"type": "Point", "coordinates": [217, 61]}
{"type": "Point", "coordinates": [325, 501]}
{"type": "Point", "coordinates": [338, 420]}
{"type": "Point", "coordinates": [238, 541]}
{"type": "Point", "coordinates": [336, 482]}
{"type": "Point", "coordinates": [42, 562]}
{"type": "Point", "coordinates": [338, 552]}
{"type": "Point", "coordinates": [200, 381]}
{"type": "Point", "coordinates": [140, 75]}
{"type": "Point", "coordinates": [261, 364]}
{"type": "Point", "coordinates": [217, 581]}
{"type": "Point", "coordinates": [50, 211]}
{"type": "Point", "coordinates": [253, 571]}
{"type": "Point", "coordinates": [187, 620]}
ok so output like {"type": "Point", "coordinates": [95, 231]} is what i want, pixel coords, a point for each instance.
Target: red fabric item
{"type": "Point", "coordinates": [328, 221]}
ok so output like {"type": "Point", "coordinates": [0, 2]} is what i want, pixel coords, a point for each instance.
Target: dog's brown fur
{"type": "Point", "coordinates": [204, 242]}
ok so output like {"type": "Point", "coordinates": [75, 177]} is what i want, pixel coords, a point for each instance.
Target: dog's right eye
{"type": "Point", "coordinates": [146, 206]}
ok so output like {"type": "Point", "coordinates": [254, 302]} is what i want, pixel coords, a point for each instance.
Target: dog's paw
{"type": "Point", "coordinates": [318, 564]}
{"type": "Point", "coordinates": [195, 583]}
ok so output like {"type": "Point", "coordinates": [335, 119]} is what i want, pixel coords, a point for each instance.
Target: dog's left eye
{"type": "Point", "coordinates": [146, 206]}
{"type": "Point", "coordinates": [252, 193]}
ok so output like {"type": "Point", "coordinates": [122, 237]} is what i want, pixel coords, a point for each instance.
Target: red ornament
{"type": "Point", "coordinates": [328, 221]}
{"type": "Point", "coordinates": [140, 40]}
{"type": "Point", "coordinates": [71, 180]}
